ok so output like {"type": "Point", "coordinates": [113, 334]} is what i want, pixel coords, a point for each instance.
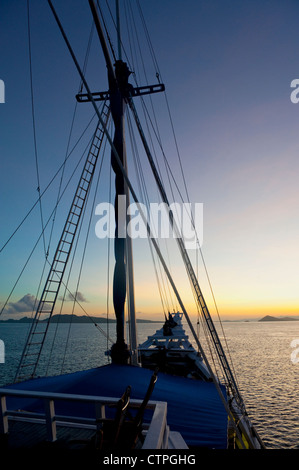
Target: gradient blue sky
{"type": "Point", "coordinates": [227, 67]}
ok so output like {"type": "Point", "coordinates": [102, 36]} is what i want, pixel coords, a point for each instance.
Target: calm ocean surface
{"type": "Point", "coordinates": [261, 355]}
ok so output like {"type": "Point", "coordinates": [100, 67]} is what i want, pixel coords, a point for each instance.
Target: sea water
{"type": "Point", "coordinates": [261, 353]}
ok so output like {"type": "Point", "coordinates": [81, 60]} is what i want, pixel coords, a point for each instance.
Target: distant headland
{"type": "Point", "coordinates": [270, 318]}
{"type": "Point", "coordinates": [64, 318]}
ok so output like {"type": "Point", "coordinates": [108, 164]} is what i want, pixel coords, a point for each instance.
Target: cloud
{"type": "Point", "coordinates": [76, 295]}
{"type": "Point", "coordinates": [25, 304]}
{"type": "Point", "coordinates": [29, 303]}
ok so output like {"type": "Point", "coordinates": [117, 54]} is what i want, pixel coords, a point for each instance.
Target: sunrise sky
{"type": "Point", "coordinates": [227, 67]}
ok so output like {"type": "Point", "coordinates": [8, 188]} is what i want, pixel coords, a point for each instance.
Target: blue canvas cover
{"type": "Point", "coordinates": [194, 407]}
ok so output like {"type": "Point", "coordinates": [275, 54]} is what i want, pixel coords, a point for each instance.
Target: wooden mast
{"type": "Point", "coordinates": [129, 247]}
{"type": "Point", "coordinates": [123, 269]}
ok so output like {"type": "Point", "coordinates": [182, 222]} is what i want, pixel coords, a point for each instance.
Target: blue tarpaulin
{"type": "Point", "coordinates": [194, 407]}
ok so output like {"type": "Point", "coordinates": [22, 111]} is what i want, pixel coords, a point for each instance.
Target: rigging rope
{"type": "Point", "coordinates": [105, 26]}
{"type": "Point", "coordinates": [78, 281]}
{"type": "Point", "coordinates": [168, 168]}
{"type": "Point", "coordinates": [33, 125]}
{"type": "Point", "coordinates": [61, 168]}
{"type": "Point", "coordinates": [108, 263]}
{"type": "Point", "coordinates": [45, 226]}
{"type": "Point", "coordinates": [47, 187]}
{"type": "Point", "coordinates": [140, 183]}
{"type": "Point", "coordinates": [145, 197]}
{"type": "Point", "coordinates": [131, 26]}
{"type": "Point", "coordinates": [87, 233]}
{"type": "Point", "coordinates": [61, 179]}
{"type": "Point", "coordinates": [169, 171]}
{"type": "Point", "coordinates": [86, 56]}
{"type": "Point", "coordinates": [123, 171]}
{"type": "Point", "coordinates": [71, 131]}
{"type": "Point", "coordinates": [85, 312]}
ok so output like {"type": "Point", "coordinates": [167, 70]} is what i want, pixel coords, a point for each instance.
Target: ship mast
{"type": "Point", "coordinates": [123, 270]}
{"type": "Point", "coordinates": [129, 248]}
{"type": "Point", "coordinates": [119, 95]}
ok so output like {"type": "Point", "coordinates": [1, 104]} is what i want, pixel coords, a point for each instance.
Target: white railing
{"type": "Point", "coordinates": [156, 432]}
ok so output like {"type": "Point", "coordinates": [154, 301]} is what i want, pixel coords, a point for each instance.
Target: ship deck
{"type": "Point", "coordinates": [199, 417]}
{"type": "Point", "coordinates": [28, 435]}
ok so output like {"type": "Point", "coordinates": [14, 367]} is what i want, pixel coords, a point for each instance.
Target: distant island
{"type": "Point", "coordinates": [65, 318]}
{"type": "Point", "coordinates": [270, 318]}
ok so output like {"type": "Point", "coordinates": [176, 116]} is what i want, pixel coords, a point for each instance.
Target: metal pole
{"type": "Point", "coordinates": [129, 248]}
{"type": "Point", "coordinates": [102, 39]}
{"type": "Point", "coordinates": [118, 30]}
